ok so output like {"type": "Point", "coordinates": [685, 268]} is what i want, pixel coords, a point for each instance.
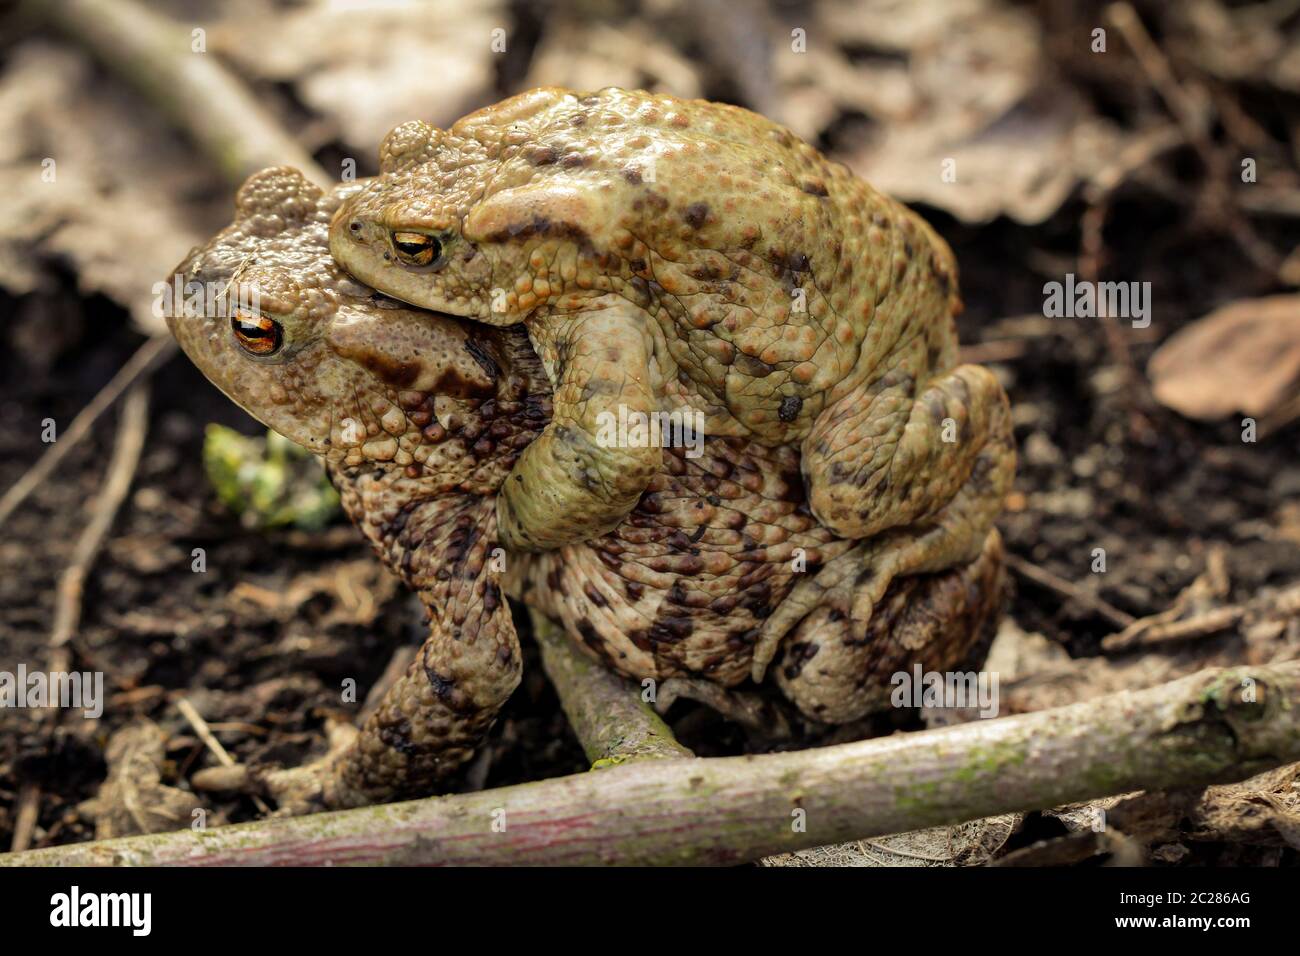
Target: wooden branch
{"type": "Point", "coordinates": [1195, 731]}
{"type": "Point", "coordinates": [605, 711]}
{"type": "Point", "coordinates": [192, 88]}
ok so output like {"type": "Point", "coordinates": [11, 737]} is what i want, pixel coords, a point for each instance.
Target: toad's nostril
{"type": "Point", "coordinates": [355, 225]}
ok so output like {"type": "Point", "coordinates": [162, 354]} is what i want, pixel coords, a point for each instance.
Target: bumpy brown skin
{"type": "Point", "coordinates": [670, 254]}
{"type": "Point", "coordinates": [682, 588]}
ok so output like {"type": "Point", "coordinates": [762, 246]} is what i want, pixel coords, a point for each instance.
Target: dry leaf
{"type": "Point", "coordinates": [1244, 357]}
{"type": "Point", "coordinates": [968, 117]}
{"type": "Point", "coordinates": [369, 65]}
{"type": "Point", "coordinates": [584, 55]}
{"type": "Point", "coordinates": [966, 844]}
{"type": "Point", "coordinates": [96, 182]}
{"type": "Point", "coordinates": [133, 799]}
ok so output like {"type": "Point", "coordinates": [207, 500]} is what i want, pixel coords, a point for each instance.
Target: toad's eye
{"type": "Point", "coordinates": [416, 248]}
{"type": "Point", "coordinates": [256, 334]}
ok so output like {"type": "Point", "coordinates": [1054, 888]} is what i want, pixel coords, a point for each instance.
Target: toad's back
{"type": "Point", "coordinates": [771, 270]}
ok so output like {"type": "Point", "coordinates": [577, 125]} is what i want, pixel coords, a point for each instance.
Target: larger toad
{"type": "Point", "coordinates": [674, 255]}
{"type": "Point", "coordinates": [420, 417]}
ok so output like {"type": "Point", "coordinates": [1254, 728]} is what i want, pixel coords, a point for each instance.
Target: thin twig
{"type": "Point", "coordinates": [1070, 590]}
{"type": "Point", "coordinates": [131, 431]}
{"type": "Point", "coordinates": [147, 359]}
{"type": "Point", "coordinates": [1193, 116]}
{"type": "Point", "coordinates": [204, 733]}
{"type": "Point", "coordinates": [27, 810]}
{"type": "Point", "coordinates": [1215, 726]}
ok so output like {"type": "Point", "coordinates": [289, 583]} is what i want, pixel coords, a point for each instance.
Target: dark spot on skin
{"type": "Point", "coordinates": [634, 591]}
{"type": "Point", "coordinates": [397, 736]}
{"type": "Point", "coordinates": [696, 214]}
{"type": "Point", "coordinates": [789, 409]}
{"type": "Point", "coordinates": [393, 371]}
{"type": "Point", "coordinates": [797, 262]}
{"type": "Point", "coordinates": [741, 639]}
{"type": "Point", "coordinates": [594, 596]}
{"type": "Point", "coordinates": [540, 226]}
{"type": "Point", "coordinates": [444, 687]}
{"type": "Point", "coordinates": [815, 187]}
{"type": "Point", "coordinates": [588, 633]}
{"type": "Point", "coordinates": [632, 174]}
{"type": "Point", "coordinates": [573, 161]}
{"type": "Point", "coordinates": [754, 368]}
{"type": "Point", "coordinates": [485, 361]}
{"type": "Point", "coordinates": [724, 605]}
{"type": "Point", "coordinates": [543, 156]}
{"type": "Point", "coordinates": [757, 598]}
{"type": "Point", "coordinates": [799, 654]}
{"type": "Point", "coordinates": [669, 629]}
{"type": "Point", "coordinates": [637, 265]}
{"type": "Point", "coordinates": [941, 277]}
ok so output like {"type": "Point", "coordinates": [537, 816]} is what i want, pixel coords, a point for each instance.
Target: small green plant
{"type": "Point", "coordinates": [269, 482]}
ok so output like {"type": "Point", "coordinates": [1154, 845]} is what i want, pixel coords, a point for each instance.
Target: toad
{"type": "Point", "coordinates": [671, 255]}
{"type": "Point", "coordinates": [421, 418]}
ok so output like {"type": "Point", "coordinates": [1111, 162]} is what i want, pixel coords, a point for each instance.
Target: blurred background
{"type": "Point", "coordinates": [1153, 143]}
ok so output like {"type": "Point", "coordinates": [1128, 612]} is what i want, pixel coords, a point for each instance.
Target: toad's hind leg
{"type": "Point", "coordinates": [893, 457]}
{"type": "Point", "coordinates": [584, 473]}
{"type": "Point", "coordinates": [835, 673]}
{"type": "Point", "coordinates": [950, 535]}
{"type": "Point", "coordinates": [430, 721]}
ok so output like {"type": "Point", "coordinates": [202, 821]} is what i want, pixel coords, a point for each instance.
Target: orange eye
{"type": "Point", "coordinates": [416, 248]}
{"type": "Point", "coordinates": [256, 334]}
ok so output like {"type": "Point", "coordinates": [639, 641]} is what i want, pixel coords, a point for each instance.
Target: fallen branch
{"type": "Point", "coordinates": [192, 88]}
{"type": "Point", "coordinates": [1199, 730]}
{"type": "Point", "coordinates": [605, 711]}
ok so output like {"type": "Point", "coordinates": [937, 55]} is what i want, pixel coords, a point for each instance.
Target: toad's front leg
{"type": "Point", "coordinates": [431, 720]}
{"type": "Point", "coordinates": [585, 473]}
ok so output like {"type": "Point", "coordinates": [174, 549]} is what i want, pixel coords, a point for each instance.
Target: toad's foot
{"type": "Point", "coordinates": [899, 457]}
{"type": "Point", "coordinates": [311, 787]}
{"type": "Point", "coordinates": [588, 468]}
{"type": "Point", "coordinates": [858, 579]}
{"type": "Point", "coordinates": [835, 672]}
{"type": "Point", "coordinates": [749, 710]}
